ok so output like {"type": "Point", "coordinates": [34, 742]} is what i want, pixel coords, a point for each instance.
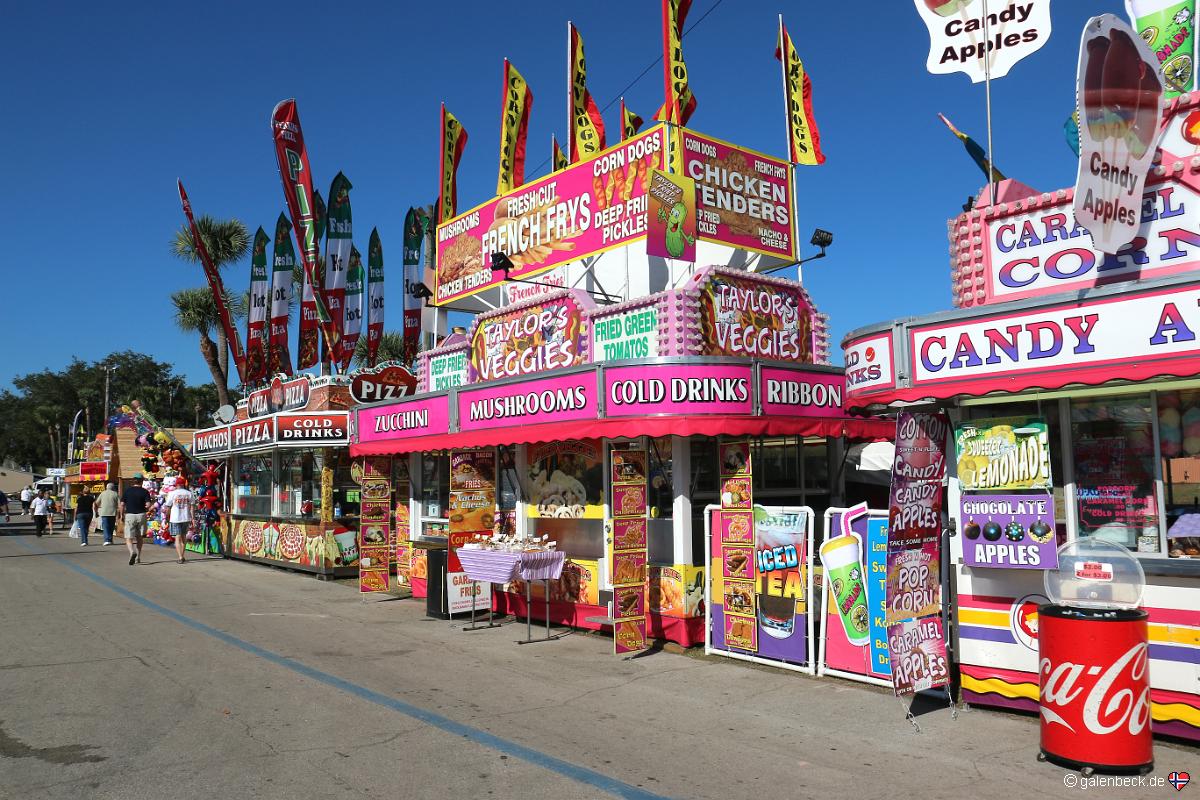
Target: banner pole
{"type": "Point", "coordinates": [987, 82]}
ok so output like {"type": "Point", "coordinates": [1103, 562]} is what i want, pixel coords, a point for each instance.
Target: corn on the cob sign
{"type": "Point", "coordinates": [594, 205]}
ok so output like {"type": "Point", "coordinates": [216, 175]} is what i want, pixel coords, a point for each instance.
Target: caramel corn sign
{"type": "Point", "coordinates": [594, 205]}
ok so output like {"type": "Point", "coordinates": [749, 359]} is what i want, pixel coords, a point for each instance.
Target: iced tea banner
{"type": "Point", "coordinates": [847, 650]}
{"type": "Point", "coordinates": [594, 205]}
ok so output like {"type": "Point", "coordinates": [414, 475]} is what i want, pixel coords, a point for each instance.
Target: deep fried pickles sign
{"type": "Point", "coordinates": [755, 319]}
{"type": "Point", "coordinates": [534, 338]}
{"type": "Point", "coordinates": [594, 205]}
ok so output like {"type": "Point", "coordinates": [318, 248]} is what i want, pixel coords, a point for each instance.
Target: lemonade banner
{"type": "Point", "coordinates": [594, 205]}
{"type": "Point", "coordinates": [1170, 30]}
{"type": "Point", "coordinates": [1003, 454]}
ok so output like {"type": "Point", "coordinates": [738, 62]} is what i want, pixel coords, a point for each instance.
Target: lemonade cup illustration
{"type": "Point", "coordinates": [842, 557]}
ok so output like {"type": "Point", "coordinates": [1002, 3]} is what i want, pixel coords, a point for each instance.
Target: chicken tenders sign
{"type": "Point", "coordinates": [593, 205]}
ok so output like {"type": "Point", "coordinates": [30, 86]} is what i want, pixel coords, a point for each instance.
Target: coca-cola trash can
{"type": "Point", "coordinates": [1093, 662]}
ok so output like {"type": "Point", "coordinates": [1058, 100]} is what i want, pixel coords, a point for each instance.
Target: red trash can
{"type": "Point", "coordinates": [1094, 677]}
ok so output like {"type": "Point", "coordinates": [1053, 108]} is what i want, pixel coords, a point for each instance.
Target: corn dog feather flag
{"type": "Point", "coordinates": [587, 126]}
{"type": "Point", "coordinates": [804, 141]}
{"type": "Point", "coordinates": [558, 159]}
{"type": "Point", "coordinates": [453, 139]}
{"type": "Point", "coordinates": [514, 127]}
{"type": "Point", "coordinates": [630, 122]}
{"type": "Point", "coordinates": [679, 102]}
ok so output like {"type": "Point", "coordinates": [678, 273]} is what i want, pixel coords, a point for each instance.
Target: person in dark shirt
{"type": "Point", "coordinates": [133, 508]}
{"type": "Point", "coordinates": [85, 504]}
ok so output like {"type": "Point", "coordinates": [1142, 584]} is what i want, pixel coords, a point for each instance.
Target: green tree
{"type": "Point", "coordinates": [391, 348]}
{"type": "Point", "coordinates": [227, 242]}
{"type": "Point", "coordinates": [196, 312]}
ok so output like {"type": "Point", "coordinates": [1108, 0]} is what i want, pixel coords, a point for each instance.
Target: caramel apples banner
{"type": "Point", "coordinates": [804, 142]}
{"type": "Point", "coordinates": [352, 318]}
{"type": "Point", "coordinates": [587, 126]}
{"type": "Point", "coordinates": [453, 138]}
{"type": "Point", "coordinates": [679, 102]}
{"type": "Point", "coordinates": [514, 129]}
{"type": "Point", "coordinates": [296, 175]}
{"type": "Point", "coordinates": [279, 359]}
{"type": "Point", "coordinates": [256, 315]}
{"type": "Point", "coordinates": [374, 296]}
{"type": "Point", "coordinates": [339, 230]}
{"type": "Point", "coordinates": [216, 285]}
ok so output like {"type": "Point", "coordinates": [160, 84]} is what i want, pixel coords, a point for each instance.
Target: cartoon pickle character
{"type": "Point", "coordinates": [676, 240]}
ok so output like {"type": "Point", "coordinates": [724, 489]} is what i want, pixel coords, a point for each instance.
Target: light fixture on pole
{"type": "Point", "coordinates": [422, 292]}
{"type": "Point", "coordinates": [502, 263]}
{"type": "Point", "coordinates": [820, 238]}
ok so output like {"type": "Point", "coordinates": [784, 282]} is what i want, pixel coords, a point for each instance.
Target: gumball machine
{"type": "Point", "coordinates": [1094, 661]}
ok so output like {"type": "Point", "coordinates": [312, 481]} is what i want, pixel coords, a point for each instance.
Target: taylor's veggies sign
{"type": "Point", "coordinates": [535, 338]}
{"type": "Point", "coordinates": [1003, 454]}
{"type": "Point", "coordinates": [742, 316]}
{"type": "Point", "coordinates": [594, 205]}
{"type": "Point", "coordinates": [743, 198]}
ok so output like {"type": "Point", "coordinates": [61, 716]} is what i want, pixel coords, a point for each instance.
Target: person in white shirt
{"type": "Point", "coordinates": [181, 502]}
{"type": "Point", "coordinates": [40, 506]}
{"type": "Point", "coordinates": [26, 499]}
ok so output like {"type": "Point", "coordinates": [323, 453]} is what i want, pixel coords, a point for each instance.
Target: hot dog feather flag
{"type": "Point", "coordinates": [679, 102]}
{"type": "Point", "coordinates": [514, 129]}
{"type": "Point", "coordinates": [453, 138]}
{"type": "Point", "coordinates": [804, 141]}
{"type": "Point", "coordinates": [587, 126]}
{"type": "Point", "coordinates": [630, 122]}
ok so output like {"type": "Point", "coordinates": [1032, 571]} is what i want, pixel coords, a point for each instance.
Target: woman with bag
{"type": "Point", "coordinates": [85, 504]}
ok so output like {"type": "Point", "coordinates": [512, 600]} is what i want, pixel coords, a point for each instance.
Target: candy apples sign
{"type": "Point", "coordinates": [384, 383]}
{"type": "Point", "coordinates": [963, 34]}
{"type": "Point", "coordinates": [1119, 91]}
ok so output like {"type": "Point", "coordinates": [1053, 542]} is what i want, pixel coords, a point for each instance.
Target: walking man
{"type": "Point", "coordinates": [85, 505]}
{"type": "Point", "coordinates": [26, 499]}
{"type": "Point", "coordinates": [40, 506]}
{"type": "Point", "coordinates": [180, 501]}
{"type": "Point", "coordinates": [106, 507]}
{"type": "Point", "coordinates": [133, 508]}
{"type": "Point", "coordinates": [4, 506]}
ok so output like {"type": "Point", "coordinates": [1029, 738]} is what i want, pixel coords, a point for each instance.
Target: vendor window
{"type": "Point", "coordinates": [434, 494]}
{"type": "Point", "coordinates": [255, 480]}
{"type": "Point", "coordinates": [346, 496]}
{"type": "Point", "coordinates": [1116, 471]}
{"type": "Point", "coordinates": [299, 493]}
{"type": "Point", "coordinates": [1179, 445]}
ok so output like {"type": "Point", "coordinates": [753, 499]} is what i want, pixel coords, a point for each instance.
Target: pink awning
{"type": "Point", "coordinates": [853, 428]}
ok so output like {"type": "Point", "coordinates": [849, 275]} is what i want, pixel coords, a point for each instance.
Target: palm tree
{"type": "Point", "coordinates": [391, 348]}
{"type": "Point", "coordinates": [196, 312]}
{"type": "Point", "coordinates": [227, 242]}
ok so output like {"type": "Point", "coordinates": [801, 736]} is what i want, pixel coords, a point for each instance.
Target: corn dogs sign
{"type": "Point", "coordinates": [591, 206]}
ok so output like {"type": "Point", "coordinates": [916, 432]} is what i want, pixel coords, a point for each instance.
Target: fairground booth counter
{"type": "Point", "coordinates": [596, 415]}
{"type": "Point", "coordinates": [291, 499]}
{"type": "Point", "coordinates": [1073, 381]}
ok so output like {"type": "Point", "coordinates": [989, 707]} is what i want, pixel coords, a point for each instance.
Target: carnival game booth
{"type": "Point", "coordinates": [292, 501]}
{"type": "Point", "coordinates": [601, 428]}
{"type": "Point", "coordinates": [1073, 380]}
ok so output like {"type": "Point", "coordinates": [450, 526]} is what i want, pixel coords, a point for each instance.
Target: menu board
{"type": "Point", "coordinates": [374, 530]}
{"type": "Point", "coordinates": [401, 526]}
{"type": "Point", "coordinates": [472, 514]}
{"type": "Point", "coordinates": [734, 556]}
{"type": "Point", "coordinates": [628, 553]}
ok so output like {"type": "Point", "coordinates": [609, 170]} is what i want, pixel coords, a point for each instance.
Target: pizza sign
{"type": "Point", "coordinates": [385, 383]}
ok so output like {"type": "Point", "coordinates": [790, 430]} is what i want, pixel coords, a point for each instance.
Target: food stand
{"type": "Point", "coordinates": [615, 357]}
{"type": "Point", "coordinates": [1071, 376]}
{"type": "Point", "coordinates": [292, 499]}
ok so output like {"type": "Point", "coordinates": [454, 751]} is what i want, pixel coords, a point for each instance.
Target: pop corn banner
{"type": "Point", "coordinates": [595, 205]}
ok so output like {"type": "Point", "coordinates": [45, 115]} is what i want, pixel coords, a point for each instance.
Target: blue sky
{"type": "Point", "coordinates": [104, 109]}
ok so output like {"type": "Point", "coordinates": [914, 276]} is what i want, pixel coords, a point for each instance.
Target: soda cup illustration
{"type": "Point", "coordinates": [842, 557]}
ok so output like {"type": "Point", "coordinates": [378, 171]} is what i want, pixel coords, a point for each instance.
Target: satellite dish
{"type": "Point", "coordinates": [224, 414]}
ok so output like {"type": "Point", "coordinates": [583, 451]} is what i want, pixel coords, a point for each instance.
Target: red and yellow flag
{"type": "Point", "coordinates": [804, 141]}
{"type": "Point", "coordinates": [514, 127]}
{"type": "Point", "coordinates": [630, 122]}
{"type": "Point", "coordinates": [587, 127]}
{"type": "Point", "coordinates": [558, 159]}
{"type": "Point", "coordinates": [453, 140]}
{"type": "Point", "coordinates": [679, 103]}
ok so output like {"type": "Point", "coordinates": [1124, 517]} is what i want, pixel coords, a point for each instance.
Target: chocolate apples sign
{"type": "Point", "coordinates": [1119, 91]}
{"type": "Point", "coordinates": [974, 37]}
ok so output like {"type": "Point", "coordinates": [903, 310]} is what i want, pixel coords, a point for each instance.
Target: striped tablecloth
{"type": "Point", "coordinates": [489, 566]}
{"type": "Point", "coordinates": [544, 565]}
{"type": "Point", "coordinates": [502, 566]}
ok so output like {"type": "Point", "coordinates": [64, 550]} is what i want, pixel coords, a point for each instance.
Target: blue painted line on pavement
{"type": "Point", "coordinates": [535, 757]}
